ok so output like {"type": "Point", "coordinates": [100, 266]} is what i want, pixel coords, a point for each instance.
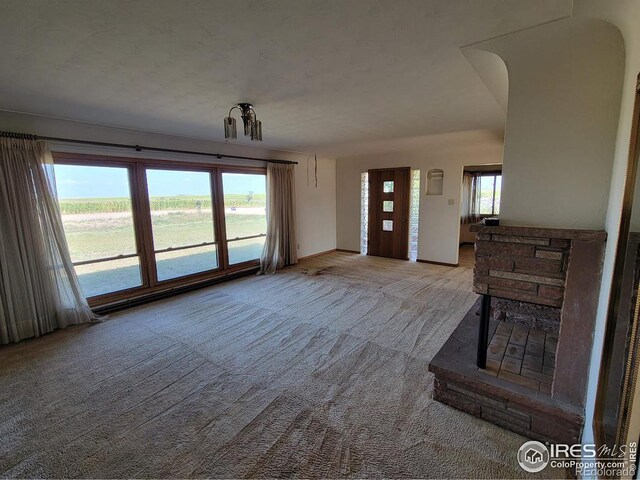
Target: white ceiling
{"type": "Point", "coordinates": [322, 74]}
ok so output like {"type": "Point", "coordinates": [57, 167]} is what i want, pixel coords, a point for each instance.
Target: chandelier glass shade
{"type": "Point", "coordinates": [252, 126]}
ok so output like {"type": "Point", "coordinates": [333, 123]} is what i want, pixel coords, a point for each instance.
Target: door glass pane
{"type": "Point", "coordinates": [387, 187]}
{"type": "Point", "coordinates": [387, 206]}
{"type": "Point", "coordinates": [181, 216]}
{"type": "Point", "coordinates": [95, 204]}
{"type": "Point", "coordinates": [245, 215]}
{"type": "Point", "coordinates": [387, 225]}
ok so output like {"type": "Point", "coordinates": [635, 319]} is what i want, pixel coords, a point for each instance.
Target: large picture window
{"type": "Point", "coordinates": [137, 226]}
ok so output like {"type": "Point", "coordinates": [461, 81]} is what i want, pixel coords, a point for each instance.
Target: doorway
{"type": "Point", "coordinates": [388, 229]}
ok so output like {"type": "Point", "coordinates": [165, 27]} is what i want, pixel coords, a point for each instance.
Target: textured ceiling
{"type": "Point", "coordinates": [322, 74]}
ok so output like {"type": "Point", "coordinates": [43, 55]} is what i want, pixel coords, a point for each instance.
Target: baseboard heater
{"type": "Point", "coordinates": [169, 292]}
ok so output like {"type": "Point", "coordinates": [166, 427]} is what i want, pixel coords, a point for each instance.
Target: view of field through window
{"type": "Point", "coordinates": [96, 207]}
{"type": "Point", "coordinates": [182, 222]}
{"type": "Point", "coordinates": [490, 202]}
{"type": "Point", "coordinates": [95, 204]}
{"type": "Point", "coordinates": [245, 216]}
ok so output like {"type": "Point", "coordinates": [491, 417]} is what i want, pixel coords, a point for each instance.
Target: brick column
{"type": "Point", "coordinates": [577, 322]}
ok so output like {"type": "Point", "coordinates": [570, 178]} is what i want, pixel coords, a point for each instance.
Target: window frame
{"type": "Point", "coordinates": [135, 212]}
{"type": "Point", "coordinates": [147, 213]}
{"type": "Point", "coordinates": [493, 198]}
{"type": "Point", "coordinates": [222, 171]}
{"type": "Point", "coordinates": [143, 227]}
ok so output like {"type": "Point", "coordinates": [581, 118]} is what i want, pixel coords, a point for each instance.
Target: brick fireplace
{"type": "Point", "coordinates": [540, 280]}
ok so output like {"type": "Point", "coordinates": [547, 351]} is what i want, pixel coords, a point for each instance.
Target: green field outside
{"type": "Point", "coordinates": [113, 205]}
{"type": "Point", "coordinates": [106, 236]}
{"type": "Point", "coordinates": [102, 228]}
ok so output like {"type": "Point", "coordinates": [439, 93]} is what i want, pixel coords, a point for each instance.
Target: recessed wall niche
{"type": "Point", "coordinates": [435, 178]}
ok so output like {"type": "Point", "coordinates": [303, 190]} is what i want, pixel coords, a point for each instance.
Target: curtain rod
{"type": "Point", "coordinates": [138, 148]}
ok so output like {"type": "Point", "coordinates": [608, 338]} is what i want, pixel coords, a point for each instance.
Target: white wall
{"type": "Point", "coordinates": [625, 15]}
{"type": "Point", "coordinates": [315, 207]}
{"type": "Point", "coordinates": [565, 82]}
{"type": "Point", "coordinates": [439, 229]}
{"type": "Point", "coordinates": [567, 131]}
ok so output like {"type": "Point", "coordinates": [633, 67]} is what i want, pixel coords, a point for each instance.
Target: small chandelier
{"type": "Point", "coordinates": [252, 126]}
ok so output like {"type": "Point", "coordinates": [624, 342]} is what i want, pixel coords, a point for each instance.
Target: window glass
{"type": "Point", "coordinates": [387, 206]}
{"type": "Point", "coordinates": [486, 194]}
{"type": "Point", "coordinates": [181, 219]}
{"type": "Point", "coordinates": [178, 263]}
{"type": "Point", "coordinates": [95, 204]}
{"type": "Point", "coordinates": [364, 212]}
{"type": "Point", "coordinates": [489, 187]}
{"type": "Point", "coordinates": [107, 277]}
{"type": "Point", "coordinates": [245, 215]}
{"type": "Point", "coordinates": [101, 205]}
{"type": "Point", "coordinates": [496, 203]}
{"type": "Point", "coordinates": [387, 187]}
{"type": "Point", "coordinates": [245, 250]}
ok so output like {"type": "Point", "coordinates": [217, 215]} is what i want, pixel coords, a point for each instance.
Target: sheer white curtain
{"type": "Point", "coordinates": [39, 290]}
{"type": "Point", "coordinates": [470, 203]}
{"type": "Point", "coordinates": [280, 247]}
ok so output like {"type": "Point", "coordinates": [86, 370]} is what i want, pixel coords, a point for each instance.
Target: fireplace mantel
{"type": "Point", "coordinates": [544, 232]}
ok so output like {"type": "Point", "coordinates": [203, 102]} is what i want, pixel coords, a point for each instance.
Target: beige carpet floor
{"type": "Point", "coordinates": [317, 371]}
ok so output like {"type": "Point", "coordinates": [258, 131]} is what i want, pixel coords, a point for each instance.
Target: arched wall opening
{"type": "Point", "coordinates": [476, 201]}
{"type": "Point", "coordinates": [564, 90]}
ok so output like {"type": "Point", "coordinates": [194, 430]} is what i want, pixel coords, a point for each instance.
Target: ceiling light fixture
{"type": "Point", "coordinates": [252, 126]}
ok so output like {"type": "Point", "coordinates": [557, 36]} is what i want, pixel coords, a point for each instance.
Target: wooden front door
{"type": "Point", "coordinates": [389, 213]}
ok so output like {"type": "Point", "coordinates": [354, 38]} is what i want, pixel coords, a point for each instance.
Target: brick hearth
{"type": "Point", "coordinates": [512, 405]}
{"type": "Point", "coordinates": [522, 355]}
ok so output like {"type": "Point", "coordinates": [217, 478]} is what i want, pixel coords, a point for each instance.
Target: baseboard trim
{"type": "Point", "coordinates": [316, 254]}
{"type": "Point", "coordinates": [347, 251]}
{"type": "Point", "coordinates": [443, 264]}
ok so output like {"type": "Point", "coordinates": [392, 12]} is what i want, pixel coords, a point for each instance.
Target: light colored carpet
{"type": "Point", "coordinates": [317, 371]}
